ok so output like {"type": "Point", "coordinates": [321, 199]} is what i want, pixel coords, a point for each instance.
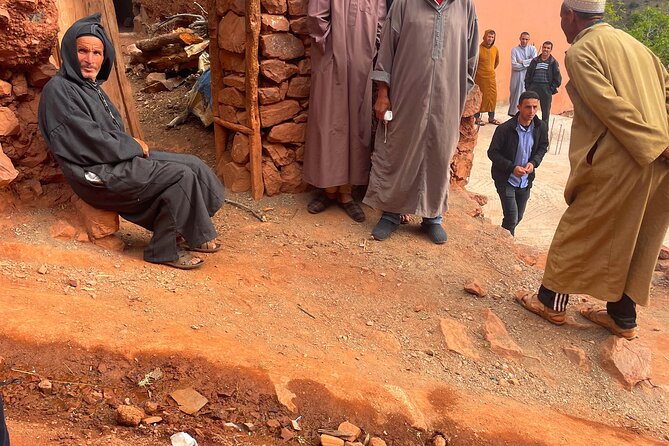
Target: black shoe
{"type": "Point", "coordinates": [435, 232]}
{"type": "Point", "coordinates": [383, 229]}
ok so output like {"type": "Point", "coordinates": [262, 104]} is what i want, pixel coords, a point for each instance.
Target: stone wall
{"type": "Point", "coordinates": [28, 173]}
{"type": "Point", "coordinates": [283, 92]}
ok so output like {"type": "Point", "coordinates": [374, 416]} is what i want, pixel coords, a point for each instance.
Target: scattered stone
{"type": "Point", "coordinates": [500, 342]}
{"type": "Point", "coordinates": [286, 434]}
{"type": "Point", "coordinates": [578, 357]}
{"type": "Point", "coordinates": [273, 424]}
{"type": "Point", "coordinates": [42, 269]}
{"type": "Point", "coordinates": [439, 441]}
{"type": "Point", "coordinates": [329, 440]}
{"type": "Point", "coordinates": [45, 386]}
{"type": "Point", "coordinates": [457, 338]}
{"type": "Point", "coordinates": [189, 400]}
{"type": "Point", "coordinates": [151, 420]}
{"type": "Point", "coordinates": [629, 362]}
{"type": "Point", "coordinates": [151, 407]}
{"type": "Point", "coordinates": [376, 441]}
{"type": "Point", "coordinates": [475, 288]}
{"type": "Point", "coordinates": [127, 415]}
{"type": "Point", "coordinates": [352, 428]}
{"type": "Point", "coordinates": [73, 282]}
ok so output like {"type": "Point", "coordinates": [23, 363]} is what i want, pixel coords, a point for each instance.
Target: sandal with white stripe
{"type": "Point", "coordinates": [532, 303]}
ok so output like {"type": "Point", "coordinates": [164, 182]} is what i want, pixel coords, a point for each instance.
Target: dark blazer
{"type": "Point", "coordinates": [554, 76]}
{"type": "Point", "coordinates": [504, 145]}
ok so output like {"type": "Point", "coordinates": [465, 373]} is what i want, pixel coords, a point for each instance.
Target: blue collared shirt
{"type": "Point", "coordinates": [525, 143]}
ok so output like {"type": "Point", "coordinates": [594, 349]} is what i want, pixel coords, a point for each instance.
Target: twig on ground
{"type": "Point", "coordinates": [305, 312]}
{"type": "Point", "coordinates": [52, 380]}
{"type": "Point", "coordinates": [255, 213]}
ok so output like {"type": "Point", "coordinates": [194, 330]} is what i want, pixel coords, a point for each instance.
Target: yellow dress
{"type": "Point", "coordinates": [485, 76]}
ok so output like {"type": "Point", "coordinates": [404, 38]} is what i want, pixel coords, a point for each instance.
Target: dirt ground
{"type": "Point", "coordinates": [301, 316]}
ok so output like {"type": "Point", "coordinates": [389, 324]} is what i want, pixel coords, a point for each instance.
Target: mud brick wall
{"type": "Point", "coordinates": [28, 32]}
{"type": "Point", "coordinates": [283, 91]}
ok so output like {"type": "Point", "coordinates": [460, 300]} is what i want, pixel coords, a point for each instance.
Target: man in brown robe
{"type": "Point", "coordinates": [339, 128]}
{"type": "Point", "coordinates": [486, 79]}
{"type": "Point", "coordinates": [609, 238]}
{"type": "Point", "coordinates": [425, 68]}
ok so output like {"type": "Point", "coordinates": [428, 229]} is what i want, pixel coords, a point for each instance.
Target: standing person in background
{"type": "Point", "coordinates": [339, 129]}
{"type": "Point", "coordinates": [516, 150]}
{"type": "Point", "coordinates": [521, 57]}
{"type": "Point", "coordinates": [543, 77]}
{"type": "Point", "coordinates": [609, 238]}
{"type": "Point", "coordinates": [485, 77]}
{"type": "Point", "coordinates": [4, 433]}
{"type": "Point", "coordinates": [425, 68]}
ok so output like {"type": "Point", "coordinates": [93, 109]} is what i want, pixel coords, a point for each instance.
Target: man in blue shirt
{"type": "Point", "coordinates": [516, 150]}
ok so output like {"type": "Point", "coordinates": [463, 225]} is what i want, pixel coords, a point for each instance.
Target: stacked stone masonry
{"type": "Point", "coordinates": [283, 92]}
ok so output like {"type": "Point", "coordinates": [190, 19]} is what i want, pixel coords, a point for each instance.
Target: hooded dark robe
{"type": "Point", "coordinates": [166, 193]}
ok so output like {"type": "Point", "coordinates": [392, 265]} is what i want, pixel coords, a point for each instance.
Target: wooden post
{"type": "Point", "coordinates": [220, 132]}
{"type": "Point", "coordinates": [117, 86]}
{"type": "Point", "coordinates": [252, 70]}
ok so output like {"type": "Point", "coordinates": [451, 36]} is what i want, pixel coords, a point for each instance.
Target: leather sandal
{"type": "Point", "coordinates": [602, 318]}
{"type": "Point", "coordinates": [532, 303]}
{"type": "Point", "coordinates": [210, 246]}
{"type": "Point", "coordinates": [353, 210]}
{"type": "Point", "coordinates": [494, 122]}
{"type": "Point", "coordinates": [185, 261]}
{"type": "Point", "coordinates": [320, 203]}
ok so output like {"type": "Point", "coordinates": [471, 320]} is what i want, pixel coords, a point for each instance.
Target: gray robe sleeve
{"type": "Point", "coordinates": [390, 35]}
{"type": "Point", "coordinates": [318, 21]}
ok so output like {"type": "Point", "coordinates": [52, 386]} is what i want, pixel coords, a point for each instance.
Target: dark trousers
{"type": "Point", "coordinates": [622, 312]}
{"type": "Point", "coordinates": [514, 202]}
{"type": "Point", "coordinates": [545, 98]}
{"type": "Point", "coordinates": [4, 434]}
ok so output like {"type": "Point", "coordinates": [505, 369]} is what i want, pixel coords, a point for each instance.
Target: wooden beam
{"type": "Point", "coordinates": [252, 70]}
{"type": "Point", "coordinates": [232, 126]}
{"type": "Point", "coordinates": [220, 132]}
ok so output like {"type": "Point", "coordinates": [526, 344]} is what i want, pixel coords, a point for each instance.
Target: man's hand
{"type": "Point", "coordinates": [519, 171]}
{"type": "Point", "coordinates": [529, 168]}
{"type": "Point", "coordinates": [145, 148]}
{"type": "Point", "coordinates": [382, 104]}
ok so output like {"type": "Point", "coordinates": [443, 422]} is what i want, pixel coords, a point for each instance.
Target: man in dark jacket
{"type": "Point", "coordinates": [172, 195]}
{"type": "Point", "coordinates": [4, 434]}
{"type": "Point", "coordinates": [516, 150]}
{"type": "Point", "coordinates": [543, 76]}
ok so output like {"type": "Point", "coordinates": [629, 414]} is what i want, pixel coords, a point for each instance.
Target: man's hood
{"type": "Point", "coordinates": [88, 26]}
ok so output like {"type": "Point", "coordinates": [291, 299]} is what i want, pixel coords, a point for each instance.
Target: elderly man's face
{"type": "Point", "coordinates": [90, 52]}
{"type": "Point", "coordinates": [524, 40]}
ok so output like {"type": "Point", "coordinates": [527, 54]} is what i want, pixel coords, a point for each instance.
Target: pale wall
{"type": "Point", "coordinates": [509, 18]}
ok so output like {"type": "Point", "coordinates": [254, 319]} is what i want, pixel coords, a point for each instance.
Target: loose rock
{"type": "Point", "coordinates": [129, 415]}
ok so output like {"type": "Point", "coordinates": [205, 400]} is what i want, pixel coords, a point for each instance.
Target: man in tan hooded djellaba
{"type": "Point", "coordinates": [424, 70]}
{"type": "Point", "coordinates": [339, 129]}
{"type": "Point", "coordinates": [609, 238]}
